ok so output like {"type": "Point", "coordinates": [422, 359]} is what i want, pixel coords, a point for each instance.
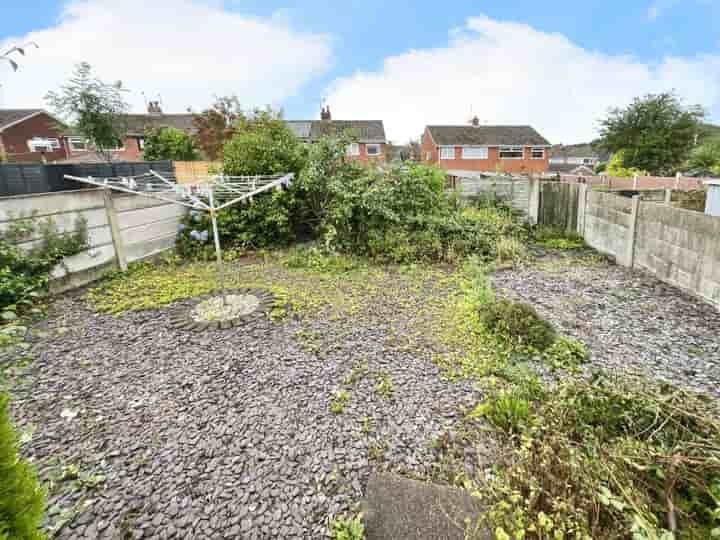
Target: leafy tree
{"type": "Point", "coordinates": [705, 158]}
{"type": "Point", "coordinates": [22, 499]}
{"type": "Point", "coordinates": [169, 143]}
{"type": "Point", "coordinates": [616, 166]}
{"type": "Point", "coordinates": [96, 109]}
{"type": "Point", "coordinates": [263, 144]}
{"type": "Point", "coordinates": [216, 125]}
{"type": "Point", "coordinates": [656, 132]}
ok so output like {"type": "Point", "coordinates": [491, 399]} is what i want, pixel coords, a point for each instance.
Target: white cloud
{"type": "Point", "coordinates": [185, 50]}
{"type": "Point", "coordinates": [510, 73]}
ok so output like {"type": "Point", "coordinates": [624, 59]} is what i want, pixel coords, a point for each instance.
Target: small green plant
{"type": "Point", "coordinates": [385, 386]}
{"type": "Point", "coordinates": [557, 238]}
{"type": "Point", "coordinates": [566, 353]}
{"type": "Point", "coordinates": [510, 250]}
{"type": "Point", "coordinates": [348, 528]}
{"type": "Point", "coordinates": [366, 425]}
{"type": "Point", "coordinates": [519, 323]}
{"type": "Point", "coordinates": [506, 409]}
{"type": "Point", "coordinates": [22, 499]}
{"type": "Point", "coordinates": [339, 400]}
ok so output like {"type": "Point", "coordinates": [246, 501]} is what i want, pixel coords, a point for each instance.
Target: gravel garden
{"type": "Point", "coordinates": [375, 323]}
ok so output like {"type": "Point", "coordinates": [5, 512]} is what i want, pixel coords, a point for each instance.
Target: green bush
{"type": "Point", "coordinates": [168, 143]}
{"type": "Point", "coordinates": [22, 500]}
{"type": "Point", "coordinates": [519, 322]}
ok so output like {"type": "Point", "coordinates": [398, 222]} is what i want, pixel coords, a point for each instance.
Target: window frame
{"type": "Point", "coordinates": [442, 149]}
{"type": "Point", "coordinates": [72, 141]}
{"type": "Point", "coordinates": [485, 152]}
{"type": "Point", "coordinates": [350, 147]}
{"type": "Point", "coordinates": [511, 148]}
{"type": "Point", "coordinates": [373, 145]}
{"type": "Point", "coordinates": [43, 144]}
{"type": "Point", "coordinates": [534, 149]}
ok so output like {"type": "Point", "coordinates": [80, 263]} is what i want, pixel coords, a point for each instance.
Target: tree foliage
{"type": "Point", "coordinates": [216, 125]}
{"type": "Point", "coordinates": [263, 144]}
{"type": "Point", "coordinates": [656, 132]}
{"type": "Point", "coordinates": [22, 499]}
{"type": "Point", "coordinates": [95, 109]}
{"type": "Point", "coordinates": [616, 167]}
{"type": "Point", "coordinates": [705, 158]}
{"type": "Point", "coordinates": [169, 143]}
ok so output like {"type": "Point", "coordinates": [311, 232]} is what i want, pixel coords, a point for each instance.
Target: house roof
{"type": "Point", "coordinates": [366, 131]}
{"type": "Point", "coordinates": [138, 123]}
{"type": "Point", "coordinates": [584, 150]}
{"type": "Point", "coordinates": [486, 135]}
{"type": "Point", "coordinates": [570, 168]}
{"type": "Point", "coordinates": [10, 117]}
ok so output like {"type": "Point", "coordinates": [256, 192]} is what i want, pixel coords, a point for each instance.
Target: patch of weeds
{"type": "Point", "coordinates": [519, 322]}
{"type": "Point", "coordinates": [339, 400]}
{"type": "Point", "coordinates": [566, 353]}
{"type": "Point", "coordinates": [506, 409]}
{"type": "Point", "coordinates": [376, 451]}
{"type": "Point", "coordinates": [359, 370]}
{"type": "Point", "coordinates": [366, 425]}
{"type": "Point", "coordinates": [557, 238]}
{"type": "Point", "coordinates": [385, 386]}
{"type": "Point", "coordinates": [347, 528]}
{"type": "Point", "coordinates": [319, 261]}
{"type": "Point", "coordinates": [510, 251]}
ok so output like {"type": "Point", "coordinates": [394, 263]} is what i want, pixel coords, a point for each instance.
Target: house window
{"type": "Point", "coordinates": [373, 149]}
{"type": "Point", "coordinates": [428, 156]}
{"type": "Point", "coordinates": [475, 152]}
{"type": "Point", "coordinates": [353, 149]}
{"type": "Point", "coordinates": [141, 143]}
{"type": "Point", "coordinates": [77, 144]}
{"type": "Point", "coordinates": [537, 153]}
{"type": "Point", "coordinates": [447, 152]}
{"type": "Point", "coordinates": [511, 152]}
{"type": "Point", "coordinates": [43, 144]}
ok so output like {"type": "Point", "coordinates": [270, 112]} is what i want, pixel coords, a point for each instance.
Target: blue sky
{"type": "Point", "coordinates": [358, 37]}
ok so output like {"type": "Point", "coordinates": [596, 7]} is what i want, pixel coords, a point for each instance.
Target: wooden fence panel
{"type": "Point", "coordinates": [188, 172]}
{"type": "Point", "coordinates": [559, 205]}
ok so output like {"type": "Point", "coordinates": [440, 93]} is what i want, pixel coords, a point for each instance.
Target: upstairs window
{"type": "Point", "coordinates": [511, 152]}
{"type": "Point", "coordinates": [77, 144]}
{"type": "Point", "coordinates": [43, 144]}
{"type": "Point", "coordinates": [353, 149]}
{"type": "Point", "coordinates": [447, 152]}
{"type": "Point", "coordinates": [475, 152]}
{"type": "Point", "coordinates": [373, 149]}
{"type": "Point", "coordinates": [537, 153]}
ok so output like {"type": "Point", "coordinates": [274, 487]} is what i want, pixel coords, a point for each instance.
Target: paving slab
{"type": "Point", "coordinates": [398, 508]}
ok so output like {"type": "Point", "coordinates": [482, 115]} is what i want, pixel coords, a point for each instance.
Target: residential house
{"type": "Point", "coordinates": [574, 158]}
{"type": "Point", "coordinates": [31, 135]}
{"type": "Point", "coordinates": [479, 148]}
{"type": "Point", "coordinates": [369, 144]}
{"type": "Point", "coordinates": [132, 146]}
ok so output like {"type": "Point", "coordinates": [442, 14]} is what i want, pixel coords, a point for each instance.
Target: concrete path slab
{"type": "Point", "coordinates": [397, 508]}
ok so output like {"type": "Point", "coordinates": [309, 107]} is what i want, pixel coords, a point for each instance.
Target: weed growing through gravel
{"type": "Point", "coordinates": [347, 528]}
{"type": "Point", "coordinates": [359, 370]}
{"type": "Point", "coordinates": [385, 386]}
{"type": "Point", "coordinates": [339, 400]}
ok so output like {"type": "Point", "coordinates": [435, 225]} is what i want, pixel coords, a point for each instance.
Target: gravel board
{"type": "Point", "coordinates": [629, 320]}
{"type": "Point", "coordinates": [221, 434]}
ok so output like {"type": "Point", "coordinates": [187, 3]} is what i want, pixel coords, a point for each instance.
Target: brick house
{"type": "Point", "coordinates": [477, 148]}
{"type": "Point", "coordinates": [370, 144]}
{"type": "Point", "coordinates": [134, 141]}
{"type": "Point", "coordinates": [31, 135]}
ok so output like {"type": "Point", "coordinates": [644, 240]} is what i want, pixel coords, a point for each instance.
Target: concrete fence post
{"type": "Point", "coordinates": [668, 197]}
{"type": "Point", "coordinates": [582, 205]}
{"type": "Point", "coordinates": [534, 200]}
{"type": "Point", "coordinates": [677, 180]}
{"type": "Point", "coordinates": [629, 256]}
{"type": "Point", "coordinates": [635, 181]}
{"type": "Point", "coordinates": [112, 218]}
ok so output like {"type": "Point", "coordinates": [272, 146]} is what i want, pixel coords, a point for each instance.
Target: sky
{"type": "Point", "coordinates": [558, 65]}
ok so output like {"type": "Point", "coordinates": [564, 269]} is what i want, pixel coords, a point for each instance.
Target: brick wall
{"type": "Point", "coordinates": [364, 158]}
{"type": "Point", "coordinates": [14, 139]}
{"type": "Point", "coordinates": [493, 163]}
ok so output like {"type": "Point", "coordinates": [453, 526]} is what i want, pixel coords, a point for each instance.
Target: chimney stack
{"type": "Point", "coordinates": [154, 107]}
{"type": "Point", "coordinates": [475, 121]}
{"type": "Point", "coordinates": [325, 113]}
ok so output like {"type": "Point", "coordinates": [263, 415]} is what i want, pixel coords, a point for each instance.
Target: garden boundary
{"type": "Point", "coordinates": [189, 172]}
{"type": "Point", "coordinates": [678, 246]}
{"type": "Point", "coordinates": [637, 182]}
{"type": "Point", "coordinates": [515, 190]}
{"type": "Point", "coordinates": [121, 229]}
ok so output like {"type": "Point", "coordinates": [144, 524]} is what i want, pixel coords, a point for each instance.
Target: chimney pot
{"type": "Point", "coordinates": [475, 121]}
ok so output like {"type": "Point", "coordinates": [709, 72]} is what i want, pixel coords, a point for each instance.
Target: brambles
{"type": "Point", "coordinates": [519, 323]}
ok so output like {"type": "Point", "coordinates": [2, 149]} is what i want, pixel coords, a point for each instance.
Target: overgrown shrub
{"type": "Point", "coordinates": [22, 500]}
{"type": "Point", "coordinates": [24, 274]}
{"type": "Point", "coordinates": [519, 322]}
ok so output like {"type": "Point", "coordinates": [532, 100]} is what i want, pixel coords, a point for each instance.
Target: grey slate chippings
{"type": "Point", "coordinates": [221, 434]}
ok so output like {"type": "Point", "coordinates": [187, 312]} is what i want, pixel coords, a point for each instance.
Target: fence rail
{"type": "Point", "coordinates": [681, 183]}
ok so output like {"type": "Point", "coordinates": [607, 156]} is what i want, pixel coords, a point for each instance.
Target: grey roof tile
{"type": "Point", "coordinates": [486, 135]}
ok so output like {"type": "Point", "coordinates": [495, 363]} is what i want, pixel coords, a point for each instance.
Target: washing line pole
{"type": "Point", "coordinates": [218, 251]}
